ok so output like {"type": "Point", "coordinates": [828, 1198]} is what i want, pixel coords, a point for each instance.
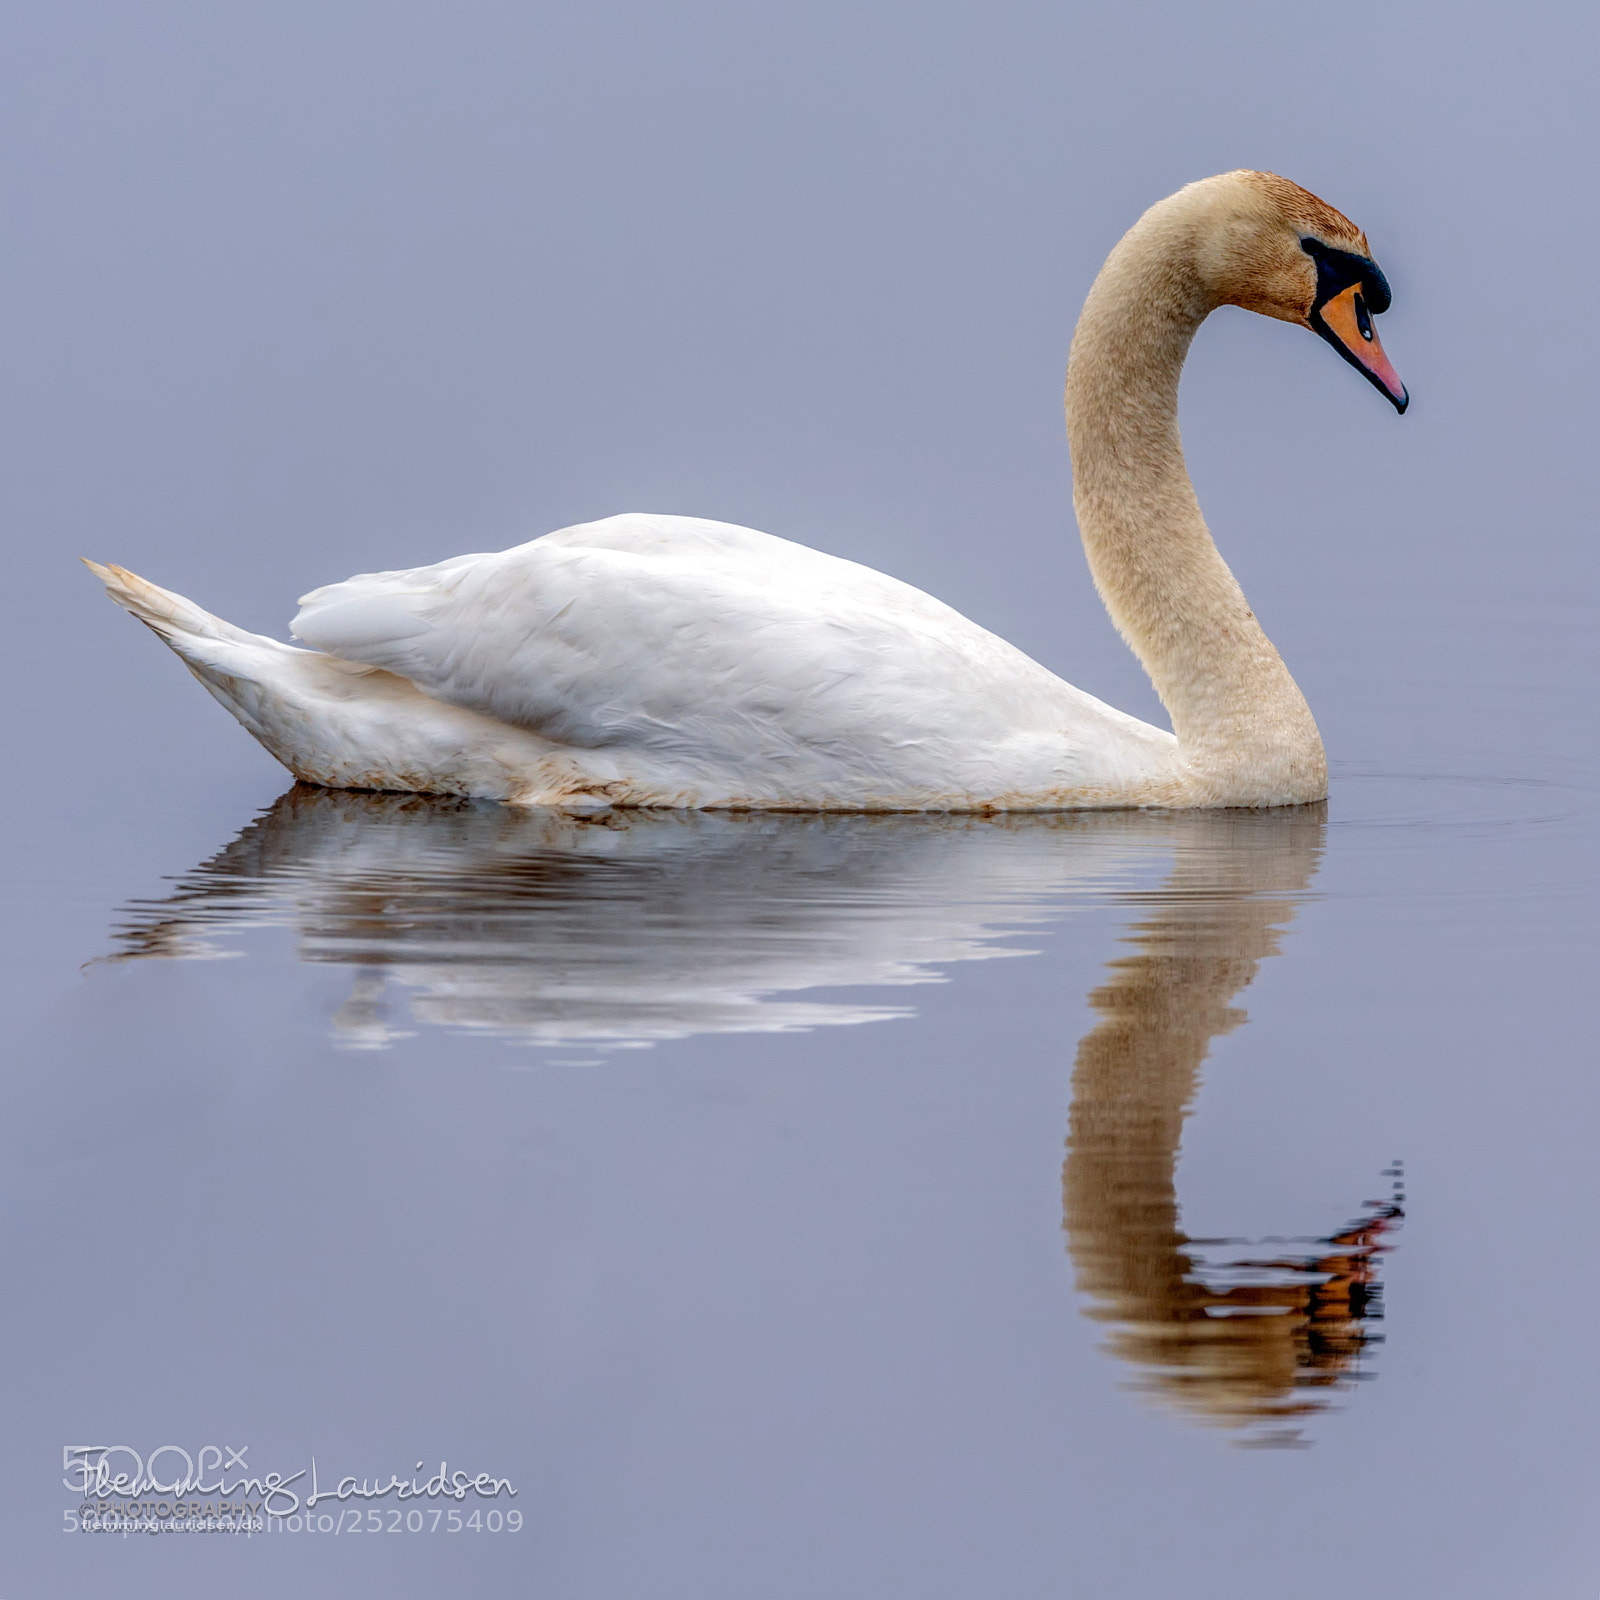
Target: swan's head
{"type": "Point", "coordinates": [1270, 246]}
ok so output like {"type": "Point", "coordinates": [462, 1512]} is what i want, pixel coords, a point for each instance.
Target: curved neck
{"type": "Point", "coordinates": [1245, 734]}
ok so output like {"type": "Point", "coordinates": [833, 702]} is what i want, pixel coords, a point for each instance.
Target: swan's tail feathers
{"type": "Point", "coordinates": [260, 681]}
{"type": "Point", "coordinates": [338, 723]}
{"type": "Point", "coordinates": [167, 614]}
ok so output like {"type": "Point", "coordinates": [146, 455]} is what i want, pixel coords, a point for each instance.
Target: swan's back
{"type": "Point", "coordinates": [701, 657]}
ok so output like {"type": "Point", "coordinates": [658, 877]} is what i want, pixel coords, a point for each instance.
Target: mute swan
{"type": "Point", "coordinates": [669, 661]}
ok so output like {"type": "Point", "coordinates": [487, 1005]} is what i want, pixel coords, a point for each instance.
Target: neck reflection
{"type": "Point", "coordinates": [1250, 1341]}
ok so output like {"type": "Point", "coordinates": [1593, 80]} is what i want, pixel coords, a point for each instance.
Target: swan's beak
{"type": "Point", "coordinates": [1346, 324]}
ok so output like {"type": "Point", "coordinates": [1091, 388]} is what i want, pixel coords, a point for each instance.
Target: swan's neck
{"type": "Point", "coordinates": [1245, 734]}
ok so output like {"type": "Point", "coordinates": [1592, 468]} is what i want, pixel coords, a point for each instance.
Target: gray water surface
{"type": "Point", "coordinates": [867, 1205]}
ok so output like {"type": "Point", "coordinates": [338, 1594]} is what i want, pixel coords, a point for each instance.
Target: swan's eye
{"type": "Point", "coordinates": [1363, 320]}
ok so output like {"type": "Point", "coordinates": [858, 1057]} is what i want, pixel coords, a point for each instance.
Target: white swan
{"type": "Point", "coordinates": [668, 661]}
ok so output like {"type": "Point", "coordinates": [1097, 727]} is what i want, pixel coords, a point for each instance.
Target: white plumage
{"type": "Point", "coordinates": [666, 661]}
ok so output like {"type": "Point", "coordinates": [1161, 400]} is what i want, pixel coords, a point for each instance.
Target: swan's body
{"type": "Point", "coordinates": [664, 661]}
{"type": "Point", "coordinates": [667, 661]}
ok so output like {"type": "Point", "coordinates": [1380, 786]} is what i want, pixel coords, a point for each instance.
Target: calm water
{"type": "Point", "coordinates": [1096, 1204]}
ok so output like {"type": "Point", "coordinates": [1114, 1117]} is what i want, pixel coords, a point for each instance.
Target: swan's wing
{"type": "Point", "coordinates": [705, 643]}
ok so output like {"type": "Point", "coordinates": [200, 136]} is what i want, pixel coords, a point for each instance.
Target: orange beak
{"type": "Point", "coordinates": [1346, 324]}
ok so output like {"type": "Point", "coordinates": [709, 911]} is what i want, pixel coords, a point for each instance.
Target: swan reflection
{"type": "Point", "coordinates": [1252, 1341]}
{"type": "Point", "coordinates": [630, 927]}
{"type": "Point", "coordinates": [626, 927]}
